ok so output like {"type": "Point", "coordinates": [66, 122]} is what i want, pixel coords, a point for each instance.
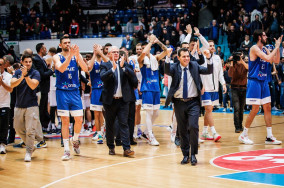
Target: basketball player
{"type": "Point", "coordinates": [67, 92]}
{"type": "Point", "coordinates": [97, 86]}
{"type": "Point", "coordinates": [150, 84]}
{"type": "Point", "coordinates": [257, 89]}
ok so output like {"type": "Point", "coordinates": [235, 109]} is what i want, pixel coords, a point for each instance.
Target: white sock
{"type": "Point", "coordinates": [139, 126]}
{"type": "Point", "coordinates": [245, 132]}
{"type": "Point", "coordinates": [149, 123]}
{"type": "Point", "coordinates": [76, 136]}
{"type": "Point", "coordinates": [93, 122]}
{"type": "Point", "coordinates": [66, 144]}
{"type": "Point", "coordinates": [89, 124]}
{"type": "Point", "coordinates": [213, 130]}
{"type": "Point", "coordinates": [205, 130]}
{"type": "Point", "coordinates": [269, 132]}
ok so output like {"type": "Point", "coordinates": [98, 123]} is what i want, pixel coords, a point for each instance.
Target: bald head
{"type": "Point", "coordinates": [28, 51]}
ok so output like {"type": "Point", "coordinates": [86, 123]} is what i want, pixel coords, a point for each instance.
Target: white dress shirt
{"type": "Point", "coordinates": [191, 87]}
{"type": "Point", "coordinates": [118, 91]}
{"type": "Point", "coordinates": [5, 95]}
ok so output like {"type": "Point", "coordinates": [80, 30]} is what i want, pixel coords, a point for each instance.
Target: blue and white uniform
{"type": "Point", "coordinates": [67, 90]}
{"type": "Point", "coordinates": [97, 87]}
{"type": "Point", "coordinates": [211, 82]}
{"type": "Point", "coordinates": [258, 92]}
{"type": "Point", "coordinates": [150, 84]}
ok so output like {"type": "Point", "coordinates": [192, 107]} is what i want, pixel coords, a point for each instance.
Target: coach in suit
{"type": "Point", "coordinates": [185, 93]}
{"type": "Point", "coordinates": [116, 95]}
{"type": "Point", "coordinates": [44, 85]}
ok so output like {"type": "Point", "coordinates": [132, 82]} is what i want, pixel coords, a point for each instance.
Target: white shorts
{"type": "Point", "coordinates": [52, 98]}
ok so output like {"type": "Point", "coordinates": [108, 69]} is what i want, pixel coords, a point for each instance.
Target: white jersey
{"type": "Point", "coordinates": [138, 74]}
{"type": "Point", "coordinates": [52, 77]}
{"type": "Point", "coordinates": [211, 81]}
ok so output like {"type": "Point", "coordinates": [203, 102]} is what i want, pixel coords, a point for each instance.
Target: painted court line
{"type": "Point", "coordinates": [121, 163]}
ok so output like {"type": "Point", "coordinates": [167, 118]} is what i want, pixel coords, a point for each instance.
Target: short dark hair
{"type": "Point", "coordinates": [256, 34]}
{"type": "Point", "coordinates": [193, 39]}
{"type": "Point", "coordinates": [39, 46]}
{"type": "Point", "coordinates": [121, 53]}
{"type": "Point", "coordinates": [144, 43]}
{"type": "Point", "coordinates": [219, 47]}
{"type": "Point", "coordinates": [108, 44]}
{"type": "Point", "coordinates": [182, 50]}
{"type": "Point", "coordinates": [64, 37]}
{"type": "Point", "coordinates": [24, 56]}
{"type": "Point", "coordinates": [183, 43]}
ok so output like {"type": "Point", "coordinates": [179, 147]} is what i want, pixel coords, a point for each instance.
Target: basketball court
{"type": "Point", "coordinates": [223, 164]}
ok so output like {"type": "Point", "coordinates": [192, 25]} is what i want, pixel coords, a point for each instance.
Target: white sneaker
{"type": "Point", "coordinates": [206, 136]}
{"type": "Point", "coordinates": [95, 136]}
{"type": "Point", "coordinates": [2, 149]}
{"type": "Point", "coordinates": [169, 128]}
{"type": "Point", "coordinates": [152, 140]}
{"type": "Point", "coordinates": [66, 156]}
{"type": "Point", "coordinates": [225, 110]}
{"type": "Point", "coordinates": [245, 140]}
{"type": "Point", "coordinates": [173, 136]}
{"type": "Point", "coordinates": [216, 137]}
{"type": "Point", "coordinates": [272, 141]}
{"type": "Point", "coordinates": [75, 145]}
{"type": "Point", "coordinates": [274, 109]}
{"type": "Point", "coordinates": [200, 141]}
{"type": "Point", "coordinates": [28, 157]}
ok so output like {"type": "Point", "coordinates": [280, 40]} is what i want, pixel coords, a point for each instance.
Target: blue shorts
{"type": "Point", "coordinates": [96, 105]}
{"type": "Point", "coordinates": [258, 92]}
{"type": "Point", "coordinates": [69, 102]}
{"type": "Point", "coordinates": [210, 98]}
{"type": "Point", "coordinates": [151, 100]}
{"type": "Point", "coordinates": [138, 97]}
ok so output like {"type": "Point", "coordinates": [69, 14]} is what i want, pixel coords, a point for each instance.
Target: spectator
{"type": "Point", "coordinates": [214, 32]}
{"type": "Point", "coordinates": [96, 27]}
{"type": "Point", "coordinates": [62, 27]}
{"type": "Point", "coordinates": [274, 27]}
{"type": "Point", "coordinates": [118, 28]}
{"type": "Point", "coordinates": [232, 39]}
{"type": "Point", "coordinates": [127, 43]}
{"type": "Point", "coordinates": [228, 85]}
{"type": "Point", "coordinates": [280, 70]}
{"type": "Point", "coordinates": [5, 90]}
{"type": "Point", "coordinates": [246, 25]}
{"type": "Point", "coordinates": [54, 29]}
{"type": "Point", "coordinates": [12, 29]}
{"type": "Point", "coordinates": [165, 36]}
{"type": "Point", "coordinates": [45, 33]}
{"type": "Point", "coordinates": [74, 29]}
{"type": "Point", "coordinates": [140, 8]}
{"type": "Point", "coordinates": [256, 24]}
{"type": "Point", "coordinates": [282, 50]}
{"type": "Point", "coordinates": [221, 54]}
{"type": "Point", "coordinates": [28, 34]}
{"type": "Point", "coordinates": [36, 28]}
{"type": "Point", "coordinates": [266, 22]}
{"type": "Point", "coordinates": [174, 39]}
{"type": "Point", "coordinates": [245, 45]}
{"type": "Point", "coordinates": [141, 34]}
{"type": "Point", "coordinates": [130, 26]}
{"type": "Point", "coordinates": [181, 36]}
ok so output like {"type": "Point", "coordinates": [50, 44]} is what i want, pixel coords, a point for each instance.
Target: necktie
{"type": "Point", "coordinates": [185, 83]}
{"type": "Point", "coordinates": [116, 79]}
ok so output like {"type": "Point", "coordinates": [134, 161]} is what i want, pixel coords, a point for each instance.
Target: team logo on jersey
{"type": "Point", "coordinates": [148, 81]}
{"type": "Point", "coordinates": [65, 85]}
{"type": "Point", "coordinates": [100, 84]}
{"type": "Point", "coordinates": [261, 74]}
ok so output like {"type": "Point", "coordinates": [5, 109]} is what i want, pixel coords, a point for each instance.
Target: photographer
{"type": "Point", "coordinates": [238, 72]}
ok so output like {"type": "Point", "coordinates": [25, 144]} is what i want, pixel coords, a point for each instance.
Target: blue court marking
{"type": "Point", "coordinates": [254, 177]}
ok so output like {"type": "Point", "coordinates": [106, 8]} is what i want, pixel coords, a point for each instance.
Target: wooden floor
{"type": "Point", "coordinates": [152, 166]}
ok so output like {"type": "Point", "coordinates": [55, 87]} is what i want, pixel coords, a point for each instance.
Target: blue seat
{"type": "Point", "coordinates": [120, 12]}
{"type": "Point", "coordinates": [85, 36]}
{"type": "Point", "coordinates": [128, 11]}
{"type": "Point", "coordinates": [95, 36]}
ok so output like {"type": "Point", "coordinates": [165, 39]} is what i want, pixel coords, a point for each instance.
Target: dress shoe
{"type": "Point", "coordinates": [185, 160]}
{"type": "Point", "coordinates": [132, 142]}
{"type": "Point", "coordinates": [128, 153]}
{"type": "Point", "coordinates": [177, 141]}
{"type": "Point", "coordinates": [193, 160]}
{"type": "Point", "coordinates": [111, 152]}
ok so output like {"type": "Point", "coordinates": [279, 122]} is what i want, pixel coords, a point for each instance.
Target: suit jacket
{"type": "Point", "coordinates": [44, 72]}
{"type": "Point", "coordinates": [128, 81]}
{"type": "Point", "coordinates": [174, 70]}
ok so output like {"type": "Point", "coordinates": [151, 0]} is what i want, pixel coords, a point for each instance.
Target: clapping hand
{"type": "Point", "coordinates": [207, 54]}
{"type": "Point", "coordinates": [24, 70]}
{"type": "Point", "coordinates": [278, 41]}
{"type": "Point", "coordinates": [122, 60]}
{"type": "Point", "coordinates": [169, 52]}
{"type": "Point", "coordinates": [196, 31]}
{"type": "Point", "coordinates": [188, 29]}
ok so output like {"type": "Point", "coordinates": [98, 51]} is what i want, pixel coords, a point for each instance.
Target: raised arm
{"type": "Point", "coordinates": [167, 66]}
{"type": "Point", "coordinates": [146, 50]}
{"type": "Point", "coordinates": [80, 60]}
{"type": "Point", "coordinates": [16, 81]}
{"type": "Point", "coordinates": [205, 44]}
{"type": "Point", "coordinates": [189, 32]}
{"type": "Point", "coordinates": [164, 48]}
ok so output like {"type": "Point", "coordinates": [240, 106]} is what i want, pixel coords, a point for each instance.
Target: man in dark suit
{"type": "Point", "coordinates": [44, 84]}
{"type": "Point", "coordinates": [116, 96]}
{"type": "Point", "coordinates": [185, 93]}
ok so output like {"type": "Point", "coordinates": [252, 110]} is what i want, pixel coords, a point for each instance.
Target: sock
{"type": "Point", "coordinates": [83, 128]}
{"type": "Point", "coordinates": [66, 144]}
{"type": "Point", "coordinates": [213, 130]}
{"type": "Point", "coordinates": [93, 122]}
{"type": "Point", "coordinates": [269, 132]}
{"type": "Point", "coordinates": [149, 122]}
{"type": "Point", "coordinates": [53, 126]}
{"type": "Point", "coordinates": [76, 136]}
{"type": "Point", "coordinates": [245, 131]}
{"type": "Point", "coordinates": [139, 126]}
{"type": "Point", "coordinates": [89, 124]}
{"type": "Point", "coordinates": [205, 130]}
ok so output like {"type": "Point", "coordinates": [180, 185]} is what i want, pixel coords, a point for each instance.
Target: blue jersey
{"type": "Point", "coordinates": [95, 76]}
{"type": "Point", "coordinates": [132, 64]}
{"type": "Point", "coordinates": [258, 69]}
{"type": "Point", "coordinates": [69, 79]}
{"type": "Point", "coordinates": [269, 66]}
{"type": "Point", "coordinates": [150, 79]}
